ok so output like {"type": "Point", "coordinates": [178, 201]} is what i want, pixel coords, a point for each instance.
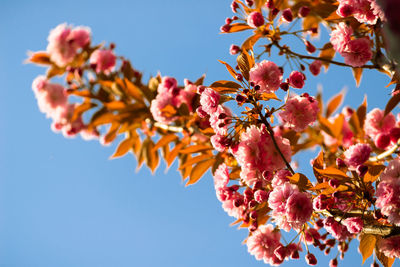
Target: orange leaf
{"type": "Point", "coordinates": [251, 41]}
{"type": "Point", "coordinates": [132, 90]}
{"type": "Point", "coordinates": [173, 154]}
{"type": "Point", "coordinates": [83, 93]}
{"type": "Point", "coordinates": [115, 105]}
{"type": "Point", "coordinates": [327, 52]}
{"type": "Point", "coordinates": [238, 27]}
{"type": "Point", "coordinates": [373, 173]}
{"type": "Point", "coordinates": [102, 118]}
{"type": "Point", "coordinates": [326, 126]}
{"type": "Point", "coordinates": [362, 112]}
{"type": "Point", "coordinates": [40, 57]}
{"type": "Point", "coordinates": [225, 86]}
{"type": "Point", "coordinates": [310, 22]}
{"type": "Point", "coordinates": [195, 149]}
{"type": "Point", "coordinates": [332, 172]}
{"type": "Point", "coordinates": [151, 156]}
{"type": "Point", "coordinates": [392, 103]}
{"type": "Point", "coordinates": [198, 170]}
{"type": "Point", "coordinates": [123, 147]}
{"type": "Point", "coordinates": [230, 69]}
{"type": "Point", "coordinates": [320, 186]}
{"type": "Point", "coordinates": [366, 247]}
{"type": "Point", "coordinates": [81, 109]}
{"type": "Point", "coordinates": [112, 133]}
{"type": "Point", "coordinates": [333, 104]}
{"type": "Point", "coordinates": [166, 139]}
{"type": "Point", "coordinates": [194, 160]}
{"type": "Point", "coordinates": [357, 73]}
{"type": "Point", "coordinates": [301, 180]}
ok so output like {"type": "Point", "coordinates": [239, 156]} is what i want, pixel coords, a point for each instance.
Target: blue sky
{"type": "Point", "coordinates": [63, 203]}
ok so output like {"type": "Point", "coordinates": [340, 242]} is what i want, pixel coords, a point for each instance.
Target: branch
{"type": "Point", "coordinates": [271, 133]}
{"type": "Point", "coordinates": [385, 154]}
{"type": "Point", "coordinates": [288, 51]}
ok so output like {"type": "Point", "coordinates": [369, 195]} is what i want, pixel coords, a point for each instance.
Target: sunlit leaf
{"type": "Point", "coordinates": [151, 156]}
{"type": "Point", "coordinates": [332, 173]}
{"type": "Point", "coordinates": [367, 245]}
{"type": "Point", "coordinates": [373, 173]}
{"type": "Point", "coordinates": [195, 149]}
{"type": "Point", "coordinates": [333, 104]}
{"type": "Point", "coordinates": [357, 73]}
{"type": "Point", "coordinates": [173, 154]}
{"type": "Point", "coordinates": [166, 139]}
{"type": "Point", "coordinates": [362, 112]}
{"type": "Point", "coordinates": [251, 41]}
{"type": "Point", "coordinates": [198, 170]}
{"type": "Point", "coordinates": [133, 91]}
{"type": "Point", "coordinates": [327, 52]}
{"type": "Point", "coordinates": [229, 68]}
{"type": "Point", "coordinates": [195, 160]}
{"type": "Point", "coordinates": [392, 103]}
{"type": "Point", "coordinates": [123, 147]}
{"type": "Point", "coordinates": [301, 180]}
{"type": "Point", "coordinates": [80, 109]}
{"type": "Point", "coordinates": [40, 57]}
{"type": "Point", "coordinates": [115, 105]}
{"type": "Point", "coordinates": [225, 87]}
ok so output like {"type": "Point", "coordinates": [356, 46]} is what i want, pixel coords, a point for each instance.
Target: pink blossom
{"type": "Point", "coordinates": [336, 229]}
{"type": "Point", "coordinates": [263, 242]}
{"type": "Point", "coordinates": [376, 122]}
{"type": "Point", "coordinates": [167, 85]}
{"type": "Point", "coordinates": [280, 177]}
{"type": "Point", "coordinates": [388, 192]}
{"type": "Point", "coordinates": [160, 110]}
{"type": "Point", "coordinates": [186, 96]}
{"type": "Point", "coordinates": [299, 112]}
{"type": "Point", "coordinates": [320, 203]}
{"type": "Point", "coordinates": [357, 52]}
{"type": "Point", "coordinates": [218, 142]}
{"type": "Point", "coordinates": [261, 196]}
{"type": "Point", "coordinates": [267, 75]}
{"type": "Point", "coordinates": [315, 67]}
{"type": "Point", "coordinates": [354, 224]}
{"type": "Point", "coordinates": [341, 36]}
{"type": "Point", "coordinates": [220, 120]}
{"type": "Point", "coordinates": [62, 121]}
{"type": "Point", "coordinates": [299, 209]}
{"type": "Point", "coordinates": [221, 176]}
{"type": "Point", "coordinates": [357, 154]}
{"type": "Point", "coordinates": [255, 19]}
{"type": "Point", "coordinates": [279, 196]}
{"type": "Point", "coordinates": [256, 153]}
{"type": "Point", "coordinates": [311, 235]}
{"type": "Point", "coordinates": [390, 246]}
{"type": "Point", "coordinates": [209, 100]}
{"type": "Point", "coordinates": [296, 79]}
{"type": "Point", "coordinates": [50, 96]}
{"type": "Point", "coordinates": [104, 60]}
{"type": "Point", "coordinates": [229, 205]}
{"type": "Point", "coordinates": [363, 10]}
{"type": "Point", "coordinates": [64, 43]}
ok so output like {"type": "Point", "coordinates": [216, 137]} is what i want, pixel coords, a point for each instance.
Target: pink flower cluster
{"type": "Point", "coordinates": [290, 207]}
{"type": "Point", "coordinates": [365, 11]}
{"type": "Point", "coordinates": [390, 246]}
{"type": "Point", "coordinates": [53, 101]}
{"type": "Point", "coordinates": [263, 243]}
{"type": "Point", "coordinates": [299, 112]}
{"type": "Point", "coordinates": [64, 43]}
{"type": "Point", "coordinates": [169, 98]}
{"type": "Point", "coordinates": [356, 52]}
{"type": "Point", "coordinates": [336, 229]}
{"type": "Point", "coordinates": [267, 75]}
{"type": "Point", "coordinates": [218, 115]}
{"type": "Point", "coordinates": [388, 192]}
{"type": "Point", "coordinates": [381, 128]}
{"type": "Point", "coordinates": [103, 60]}
{"type": "Point", "coordinates": [357, 154]}
{"type": "Point", "coordinates": [256, 154]}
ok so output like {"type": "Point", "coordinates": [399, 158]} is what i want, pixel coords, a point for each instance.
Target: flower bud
{"type": "Point", "coordinates": [255, 19]}
{"type": "Point", "coordinates": [304, 11]}
{"type": "Point", "coordinates": [234, 49]}
{"type": "Point", "coordinates": [311, 259]}
{"type": "Point", "coordinates": [287, 15]}
{"type": "Point", "coordinates": [382, 140]}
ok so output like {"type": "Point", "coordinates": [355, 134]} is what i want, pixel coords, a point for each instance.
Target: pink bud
{"type": "Point", "coordinates": [382, 140]}
{"type": "Point", "coordinates": [310, 48]}
{"type": "Point", "coordinates": [345, 10]}
{"type": "Point", "coordinates": [304, 11]}
{"type": "Point", "coordinates": [234, 6]}
{"type": "Point", "coordinates": [255, 19]}
{"type": "Point", "coordinates": [311, 259]}
{"type": "Point", "coordinates": [234, 49]}
{"type": "Point", "coordinates": [394, 134]}
{"type": "Point", "coordinates": [287, 15]}
{"type": "Point", "coordinates": [315, 67]}
{"type": "Point", "coordinates": [225, 28]}
{"type": "Point", "coordinates": [333, 263]}
{"type": "Point", "coordinates": [296, 79]}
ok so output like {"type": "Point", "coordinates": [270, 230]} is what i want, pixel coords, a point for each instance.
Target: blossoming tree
{"type": "Point", "coordinates": [246, 130]}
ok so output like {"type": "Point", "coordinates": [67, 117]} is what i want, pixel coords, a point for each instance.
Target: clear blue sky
{"type": "Point", "coordinates": [62, 202]}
